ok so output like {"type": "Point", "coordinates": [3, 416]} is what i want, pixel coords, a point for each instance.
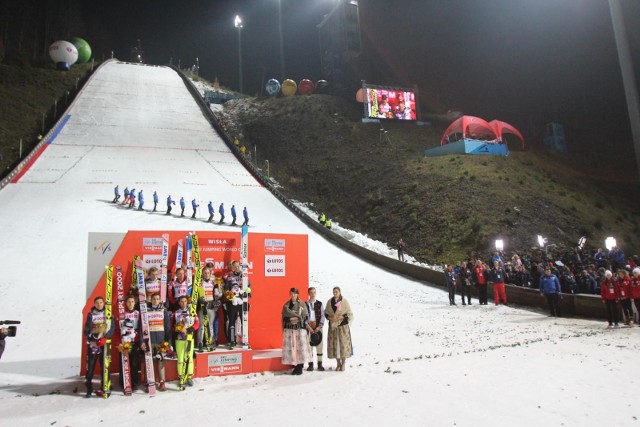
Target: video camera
{"type": "Point", "coordinates": [11, 330]}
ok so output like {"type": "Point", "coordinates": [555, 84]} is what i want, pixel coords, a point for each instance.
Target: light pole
{"type": "Point", "coordinates": [238, 24]}
{"type": "Point", "coordinates": [267, 162]}
{"type": "Point", "coordinates": [628, 79]}
{"type": "Point", "coordinates": [281, 41]}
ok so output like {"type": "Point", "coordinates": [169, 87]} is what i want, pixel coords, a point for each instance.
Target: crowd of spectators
{"type": "Point", "coordinates": [579, 271]}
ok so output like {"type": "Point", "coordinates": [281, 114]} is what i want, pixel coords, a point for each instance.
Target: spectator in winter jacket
{"type": "Point", "coordinates": [210, 209]}
{"type": "Point", "coordinates": [451, 280]}
{"type": "Point", "coordinates": [480, 279]}
{"type": "Point", "coordinates": [401, 245]}
{"type": "Point", "coordinates": [635, 290]}
{"type": "Point", "coordinates": [497, 277]}
{"type": "Point", "coordinates": [116, 194]}
{"type": "Point", "coordinates": [624, 288]}
{"type": "Point", "coordinates": [550, 289]}
{"type": "Point", "coordinates": [600, 258]}
{"type": "Point", "coordinates": [155, 200]}
{"type": "Point", "coordinates": [464, 282]}
{"type": "Point", "coordinates": [170, 203]}
{"type": "Point", "coordinates": [616, 256]}
{"type": "Point", "coordinates": [195, 207]}
{"type": "Point", "coordinates": [610, 295]}
{"type": "Point", "coordinates": [586, 283]}
{"type": "Point", "coordinates": [182, 206]}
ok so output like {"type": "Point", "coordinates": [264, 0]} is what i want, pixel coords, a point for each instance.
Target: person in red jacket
{"type": "Point", "coordinates": [624, 288]}
{"type": "Point", "coordinates": [610, 296]}
{"type": "Point", "coordinates": [481, 282]}
{"type": "Point", "coordinates": [635, 291]}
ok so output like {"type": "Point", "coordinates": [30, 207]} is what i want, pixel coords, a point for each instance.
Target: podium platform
{"type": "Point", "coordinates": [224, 361]}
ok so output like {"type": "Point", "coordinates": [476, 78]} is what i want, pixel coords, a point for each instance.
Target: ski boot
{"type": "Point", "coordinates": [320, 367]}
{"type": "Point", "coordinates": [310, 368]}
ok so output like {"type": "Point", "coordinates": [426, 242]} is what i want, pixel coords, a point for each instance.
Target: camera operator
{"type": "Point", "coordinates": [4, 332]}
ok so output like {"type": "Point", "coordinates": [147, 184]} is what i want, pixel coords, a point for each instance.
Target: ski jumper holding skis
{"type": "Point", "coordinates": [160, 335]}
{"type": "Point", "coordinates": [184, 325]}
{"type": "Point", "coordinates": [178, 288]}
{"type": "Point", "coordinates": [295, 337]}
{"type": "Point", "coordinates": [233, 306]}
{"type": "Point", "coordinates": [130, 333]}
{"type": "Point", "coordinates": [96, 331]}
{"type": "Point", "coordinates": [209, 303]}
{"type": "Point", "coordinates": [316, 323]}
{"type": "Point", "coordinates": [153, 285]}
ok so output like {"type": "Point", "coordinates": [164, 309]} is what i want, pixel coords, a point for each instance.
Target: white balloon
{"type": "Point", "coordinates": [63, 51]}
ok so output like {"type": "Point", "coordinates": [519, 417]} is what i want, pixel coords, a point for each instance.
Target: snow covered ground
{"type": "Point", "coordinates": [417, 360]}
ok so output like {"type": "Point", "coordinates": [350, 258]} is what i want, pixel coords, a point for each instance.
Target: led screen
{"type": "Point", "coordinates": [391, 104]}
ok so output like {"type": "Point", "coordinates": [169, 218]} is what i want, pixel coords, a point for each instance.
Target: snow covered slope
{"type": "Point", "coordinates": [418, 361]}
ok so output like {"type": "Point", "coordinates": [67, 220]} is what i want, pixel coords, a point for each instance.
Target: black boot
{"type": "Point", "coordinates": [310, 368]}
{"type": "Point", "coordinates": [320, 368]}
{"type": "Point", "coordinates": [89, 391]}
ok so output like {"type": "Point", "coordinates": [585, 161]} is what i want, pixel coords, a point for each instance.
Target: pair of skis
{"type": "Point", "coordinates": [126, 367]}
{"type": "Point", "coordinates": [193, 257]}
{"type": "Point", "coordinates": [108, 318]}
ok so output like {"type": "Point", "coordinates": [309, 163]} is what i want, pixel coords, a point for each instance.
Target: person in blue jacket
{"type": "Point", "coordinates": [210, 208]}
{"type": "Point", "coordinates": [233, 214]}
{"type": "Point", "coordinates": [116, 194]}
{"type": "Point", "coordinates": [126, 196]}
{"type": "Point", "coordinates": [550, 289]}
{"type": "Point", "coordinates": [221, 212]}
{"type": "Point", "coordinates": [140, 200]}
{"type": "Point", "coordinates": [132, 198]}
{"type": "Point", "coordinates": [182, 205]}
{"type": "Point", "coordinates": [245, 214]}
{"type": "Point", "coordinates": [155, 200]}
{"type": "Point", "coordinates": [195, 206]}
{"type": "Point", "coordinates": [170, 202]}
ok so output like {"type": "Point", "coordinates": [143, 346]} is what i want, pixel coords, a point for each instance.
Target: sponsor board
{"type": "Point", "coordinates": [274, 245]}
{"type": "Point", "coordinates": [151, 260]}
{"type": "Point", "coordinates": [152, 244]}
{"type": "Point", "coordinates": [222, 364]}
{"type": "Point", "coordinates": [274, 266]}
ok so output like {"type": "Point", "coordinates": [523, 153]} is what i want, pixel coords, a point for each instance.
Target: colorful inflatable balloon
{"type": "Point", "coordinates": [273, 87]}
{"type": "Point", "coordinates": [305, 87]}
{"type": "Point", "coordinates": [64, 54]}
{"type": "Point", "coordinates": [289, 87]}
{"type": "Point", "coordinates": [322, 86]}
{"type": "Point", "coordinates": [84, 50]}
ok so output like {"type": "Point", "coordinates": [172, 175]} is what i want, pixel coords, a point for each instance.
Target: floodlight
{"type": "Point", "coordinates": [609, 243]}
{"type": "Point", "coordinates": [541, 241]}
{"type": "Point", "coordinates": [499, 244]}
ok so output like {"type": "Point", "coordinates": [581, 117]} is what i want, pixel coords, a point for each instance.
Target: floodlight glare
{"type": "Point", "coordinates": [237, 22]}
{"type": "Point", "coordinates": [609, 243]}
{"type": "Point", "coordinates": [541, 241]}
{"type": "Point", "coordinates": [499, 244]}
{"type": "Point", "coordinates": [582, 242]}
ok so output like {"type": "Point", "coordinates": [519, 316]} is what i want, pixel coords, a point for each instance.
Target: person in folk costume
{"type": "Point", "coordinates": [96, 332]}
{"type": "Point", "coordinates": [316, 323]}
{"type": "Point", "coordinates": [338, 313]}
{"type": "Point", "coordinates": [295, 339]}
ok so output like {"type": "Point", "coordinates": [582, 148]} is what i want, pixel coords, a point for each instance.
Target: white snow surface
{"type": "Point", "coordinates": [417, 360]}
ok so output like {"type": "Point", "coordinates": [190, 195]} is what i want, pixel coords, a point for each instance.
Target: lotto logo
{"type": "Point", "coordinates": [274, 265]}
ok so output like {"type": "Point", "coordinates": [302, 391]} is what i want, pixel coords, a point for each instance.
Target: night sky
{"type": "Point", "coordinates": [523, 61]}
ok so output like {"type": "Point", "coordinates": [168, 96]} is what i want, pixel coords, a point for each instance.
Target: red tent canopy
{"type": "Point", "coordinates": [468, 125]}
{"type": "Point", "coordinates": [501, 128]}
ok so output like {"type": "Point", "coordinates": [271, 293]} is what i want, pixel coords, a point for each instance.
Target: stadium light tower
{"type": "Point", "coordinates": [628, 77]}
{"type": "Point", "coordinates": [281, 41]}
{"type": "Point", "coordinates": [238, 24]}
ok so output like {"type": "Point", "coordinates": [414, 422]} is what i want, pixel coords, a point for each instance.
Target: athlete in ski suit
{"type": "Point", "coordinates": [96, 331]}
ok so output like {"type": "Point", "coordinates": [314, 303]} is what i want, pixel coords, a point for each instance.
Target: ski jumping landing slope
{"type": "Point", "coordinates": [417, 360]}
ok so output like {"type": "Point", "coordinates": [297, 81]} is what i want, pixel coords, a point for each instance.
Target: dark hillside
{"type": "Point", "coordinates": [445, 207]}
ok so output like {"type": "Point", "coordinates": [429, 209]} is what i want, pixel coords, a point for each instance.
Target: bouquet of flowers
{"type": "Point", "coordinates": [229, 296]}
{"type": "Point", "coordinates": [125, 347]}
{"type": "Point", "coordinates": [181, 330]}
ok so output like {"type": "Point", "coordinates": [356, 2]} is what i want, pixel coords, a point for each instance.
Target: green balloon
{"type": "Point", "coordinates": [84, 50]}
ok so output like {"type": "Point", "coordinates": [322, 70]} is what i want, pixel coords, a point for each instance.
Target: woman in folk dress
{"type": "Point", "coordinates": [295, 340]}
{"type": "Point", "coordinates": [339, 314]}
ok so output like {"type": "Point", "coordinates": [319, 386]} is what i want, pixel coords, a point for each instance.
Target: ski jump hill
{"type": "Point", "coordinates": [140, 126]}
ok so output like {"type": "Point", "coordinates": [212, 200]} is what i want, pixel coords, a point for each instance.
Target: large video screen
{"type": "Point", "coordinates": [391, 104]}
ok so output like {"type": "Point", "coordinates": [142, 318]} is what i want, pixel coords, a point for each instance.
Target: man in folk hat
{"type": "Point", "coordinates": [316, 323]}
